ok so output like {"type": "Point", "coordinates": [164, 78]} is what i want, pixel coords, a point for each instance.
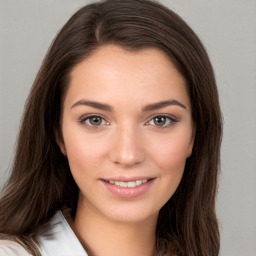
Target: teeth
{"type": "Point", "coordinates": [129, 184]}
{"type": "Point", "coordinates": [138, 182]}
{"type": "Point", "coordinates": [122, 184]}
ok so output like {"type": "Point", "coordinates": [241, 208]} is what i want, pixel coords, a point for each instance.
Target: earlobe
{"type": "Point", "coordinates": [62, 147]}
{"type": "Point", "coordinates": [190, 149]}
{"type": "Point", "coordinates": [60, 142]}
{"type": "Point", "coordinates": [191, 145]}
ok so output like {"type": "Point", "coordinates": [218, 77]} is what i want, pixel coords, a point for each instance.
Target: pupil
{"type": "Point", "coordinates": [160, 120]}
{"type": "Point", "coordinates": [95, 120]}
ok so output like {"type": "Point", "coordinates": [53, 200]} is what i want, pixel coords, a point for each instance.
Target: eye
{"type": "Point", "coordinates": [94, 121]}
{"type": "Point", "coordinates": [162, 121]}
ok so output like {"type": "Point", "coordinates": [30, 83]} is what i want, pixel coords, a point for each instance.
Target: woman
{"type": "Point", "coordinates": [119, 146]}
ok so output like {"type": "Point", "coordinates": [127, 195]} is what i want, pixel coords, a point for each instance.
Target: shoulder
{"type": "Point", "coordinates": [10, 248]}
{"type": "Point", "coordinates": [56, 237]}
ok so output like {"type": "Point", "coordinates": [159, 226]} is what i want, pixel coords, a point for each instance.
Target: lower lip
{"type": "Point", "coordinates": [128, 192]}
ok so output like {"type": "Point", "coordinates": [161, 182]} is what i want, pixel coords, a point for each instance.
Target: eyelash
{"type": "Point", "coordinates": [168, 118]}
{"type": "Point", "coordinates": [84, 119]}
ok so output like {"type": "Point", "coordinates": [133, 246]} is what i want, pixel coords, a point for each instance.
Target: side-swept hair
{"type": "Point", "coordinates": [41, 182]}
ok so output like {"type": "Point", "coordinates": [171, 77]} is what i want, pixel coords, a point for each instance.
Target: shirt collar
{"type": "Point", "coordinates": [58, 238]}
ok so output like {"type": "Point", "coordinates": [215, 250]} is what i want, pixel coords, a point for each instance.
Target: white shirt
{"type": "Point", "coordinates": [61, 241]}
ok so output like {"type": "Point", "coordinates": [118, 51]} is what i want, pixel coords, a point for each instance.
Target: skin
{"type": "Point", "coordinates": [132, 137]}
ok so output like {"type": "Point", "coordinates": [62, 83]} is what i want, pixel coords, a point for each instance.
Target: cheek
{"type": "Point", "coordinates": [83, 152]}
{"type": "Point", "coordinates": [170, 160]}
{"type": "Point", "coordinates": [171, 155]}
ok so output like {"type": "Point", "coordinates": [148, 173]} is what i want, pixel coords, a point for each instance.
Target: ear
{"type": "Point", "coordinates": [191, 145]}
{"type": "Point", "coordinates": [60, 141]}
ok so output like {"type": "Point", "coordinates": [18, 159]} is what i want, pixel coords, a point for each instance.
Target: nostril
{"type": "Point", "coordinates": [128, 160]}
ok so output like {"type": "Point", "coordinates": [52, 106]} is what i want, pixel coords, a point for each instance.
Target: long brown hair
{"type": "Point", "coordinates": [41, 182]}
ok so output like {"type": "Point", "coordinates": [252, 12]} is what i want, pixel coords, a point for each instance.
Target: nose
{"type": "Point", "coordinates": [128, 147]}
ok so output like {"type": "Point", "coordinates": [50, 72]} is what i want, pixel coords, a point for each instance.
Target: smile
{"type": "Point", "coordinates": [129, 184]}
{"type": "Point", "coordinates": [128, 187]}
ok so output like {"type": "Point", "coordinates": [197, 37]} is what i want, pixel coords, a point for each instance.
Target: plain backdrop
{"type": "Point", "coordinates": [228, 30]}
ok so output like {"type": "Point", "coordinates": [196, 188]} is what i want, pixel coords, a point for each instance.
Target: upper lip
{"type": "Point", "coordinates": [127, 179]}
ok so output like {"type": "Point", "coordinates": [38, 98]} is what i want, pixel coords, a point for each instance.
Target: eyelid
{"type": "Point", "coordinates": [83, 118]}
{"type": "Point", "coordinates": [172, 119]}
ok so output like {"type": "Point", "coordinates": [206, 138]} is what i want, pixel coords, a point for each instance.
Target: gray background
{"type": "Point", "coordinates": [228, 30]}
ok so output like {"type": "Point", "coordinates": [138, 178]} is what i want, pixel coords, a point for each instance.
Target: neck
{"type": "Point", "coordinates": [102, 236]}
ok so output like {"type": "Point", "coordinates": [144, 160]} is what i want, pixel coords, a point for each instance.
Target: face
{"type": "Point", "coordinates": [127, 132]}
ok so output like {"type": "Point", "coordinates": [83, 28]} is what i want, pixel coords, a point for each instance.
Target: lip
{"type": "Point", "coordinates": [127, 179]}
{"type": "Point", "coordinates": [127, 192]}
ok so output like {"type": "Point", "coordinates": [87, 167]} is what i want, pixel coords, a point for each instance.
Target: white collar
{"type": "Point", "coordinates": [61, 240]}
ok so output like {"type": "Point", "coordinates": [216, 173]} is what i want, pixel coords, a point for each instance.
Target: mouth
{"type": "Point", "coordinates": [128, 184]}
{"type": "Point", "coordinates": [128, 187]}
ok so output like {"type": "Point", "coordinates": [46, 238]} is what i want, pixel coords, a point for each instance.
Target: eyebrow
{"type": "Point", "coordinates": [150, 107]}
{"type": "Point", "coordinates": [162, 104]}
{"type": "Point", "coordinates": [93, 104]}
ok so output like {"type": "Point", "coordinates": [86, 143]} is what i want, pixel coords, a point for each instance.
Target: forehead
{"type": "Point", "coordinates": [120, 58]}
{"type": "Point", "coordinates": [112, 71]}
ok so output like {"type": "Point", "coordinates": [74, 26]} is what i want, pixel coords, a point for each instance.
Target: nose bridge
{"type": "Point", "coordinates": [127, 148]}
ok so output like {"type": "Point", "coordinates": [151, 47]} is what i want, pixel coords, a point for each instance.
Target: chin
{"type": "Point", "coordinates": [131, 213]}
